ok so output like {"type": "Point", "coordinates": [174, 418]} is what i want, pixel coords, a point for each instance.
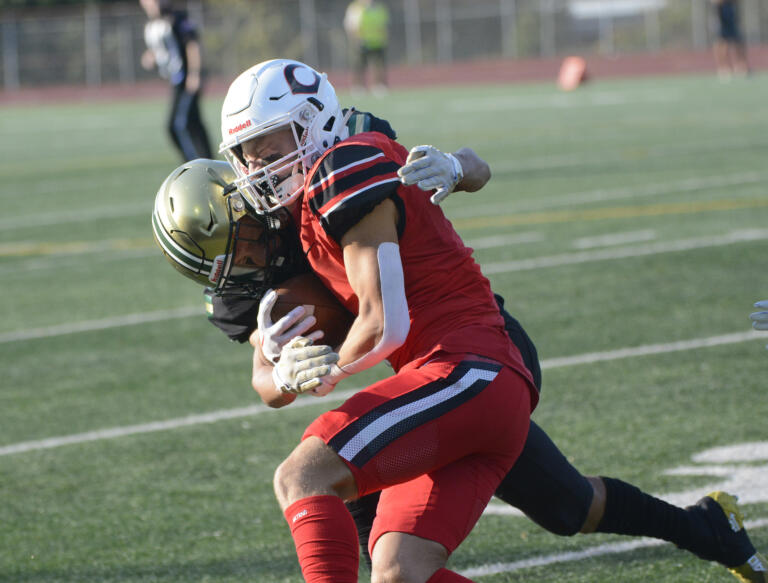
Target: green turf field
{"type": "Point", "coordinates": [626, 224]}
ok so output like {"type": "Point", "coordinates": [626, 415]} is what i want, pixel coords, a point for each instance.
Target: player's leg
{"type": "Point", "coordinates": [711, 529]}
{"type": "Point", "coordinates": [197, 129]}
{"type": "Point", "coordinates": [413, 423]}
{"type": "Point", "coordinates": [180, 124]}
{"type": "Point", "coordinates": [173, 113]}
{"type": "Point", "coordinates": [310, 486]}
{"type": "Point", "coordinates": [421, 522]}
{"type": "Point", "coordinates": [562, 497]}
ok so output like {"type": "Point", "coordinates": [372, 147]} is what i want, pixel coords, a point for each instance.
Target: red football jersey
{"type": "Point", "coordinates": [449, 300]}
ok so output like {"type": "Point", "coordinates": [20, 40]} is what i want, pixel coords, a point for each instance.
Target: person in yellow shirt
{"type": "Point", "coordinates": [366, 23]}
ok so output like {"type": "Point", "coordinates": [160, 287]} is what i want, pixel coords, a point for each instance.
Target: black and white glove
{"type": "Point", "coordinates": [301, 365]}
{"type": "Point", "coordinates": [273, 336]}
{"type": "Point", "coordinates": [431, 169]}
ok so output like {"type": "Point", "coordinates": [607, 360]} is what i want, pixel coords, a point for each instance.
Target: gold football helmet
{"type": "Point", "coordinates": [196, 223]}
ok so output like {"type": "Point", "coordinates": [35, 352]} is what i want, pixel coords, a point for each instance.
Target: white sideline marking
{"type": "Point", "coordinates": [91, 325]}
{"type": "Point", "coordinates": [598, 551]}
{"type": "Point", "coordinates": [625, 252]}
{"type": "Point", "coordinates": [226, 414]}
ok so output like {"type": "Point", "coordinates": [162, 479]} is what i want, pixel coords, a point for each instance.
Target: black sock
{"type": "Point", "coordinates": [628, 510]}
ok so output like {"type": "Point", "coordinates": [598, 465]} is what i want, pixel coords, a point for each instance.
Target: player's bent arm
{"type": "Point", "coordinates": [375, 273]}
{"type": "Point", "coordinates": [477, 173]}
{"type": "Point", "coordinates": [261, 378]}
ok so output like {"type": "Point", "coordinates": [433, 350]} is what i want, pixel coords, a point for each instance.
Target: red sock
{"type": "Point", "coordinates": [446, 576]}
{"type": "Point", "coordinates": [325, 538]}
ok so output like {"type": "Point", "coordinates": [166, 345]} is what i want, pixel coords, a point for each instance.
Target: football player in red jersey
{"type": "Point", "coordinates": [563, 501]}
{"type": "Point", "coordinates": [354, 224]}
{"type": "Point", "coordinates": [439, 435]}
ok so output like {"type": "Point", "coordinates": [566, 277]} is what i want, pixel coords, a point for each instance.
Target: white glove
{"type": "Point", "coordinates": [301, 365]}
{"type": "Point", "coordinates": [328, 382]}
{"type": "Point", "coordinates": [430, 169]}
{"type": "Point", "coordinates": [760, 319]}
{"type": "Point", "coordinates": [272, 337]}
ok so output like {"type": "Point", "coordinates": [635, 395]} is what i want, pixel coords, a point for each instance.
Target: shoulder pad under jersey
{"type": "Point", "coordinates": [348, 183]}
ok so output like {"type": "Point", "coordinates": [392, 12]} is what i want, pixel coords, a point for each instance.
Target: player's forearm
{"type": "Point", "coordinates": [476, 170]}
{"type": "Point", "coordinates": [364, 334]}
{"type": "Point", "coordinates": [375, 273]}
{"type": "Point", "coordinates": [262, 383]}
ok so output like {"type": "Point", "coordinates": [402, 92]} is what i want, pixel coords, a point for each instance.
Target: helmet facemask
{"type": "Point", "coordinates": [237, 273]}
{"type": "Point", "coordinates": [281, 181]}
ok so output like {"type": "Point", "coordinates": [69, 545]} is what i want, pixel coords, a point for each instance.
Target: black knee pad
{"type": "Point", "coordinates": [546, 487]}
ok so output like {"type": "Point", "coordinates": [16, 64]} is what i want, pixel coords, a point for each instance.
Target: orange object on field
{"type": "Point", "coordinates": [573, 72]}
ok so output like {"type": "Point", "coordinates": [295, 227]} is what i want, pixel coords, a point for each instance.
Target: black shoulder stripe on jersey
{"type": "Point", "coordinates": [342, 157]}
{"type": "Point", "coordinates": [348, 212]}
{"type": "Point", "coordinates": [350, 184]}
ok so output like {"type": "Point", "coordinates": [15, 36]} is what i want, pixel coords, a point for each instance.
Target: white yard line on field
{"type": "Point", "coordinates": [228, 414]}
{"type": "Point", "coordinates": [741, 236]}
{"type": "Point", "coordinates": [74, 216]}
{"type": "Point", "coordinates": [190, 420]}
{"type": "Point", "coordinates": [649, 349]}
{"type": "Point", "coordinates": [610, 239]}
{"type": "Point", "coordinates": [536, 203]}
{"type": "Point", "coordinates": [104, 324]}
{"type": "Point", "coordinates": [560, 101]}
{"type": "Point", "coordinates": [622, 155]}
{"type": "Point", "coordinates": [588, 553]}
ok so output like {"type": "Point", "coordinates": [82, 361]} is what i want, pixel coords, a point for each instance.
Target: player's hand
{"type": "Point", "coordinates": [302, 365]}
{"type": "Point", "coordinates": [328, 382]}
{"type": "Point", "coordinates": [760, 319]}
{"type": "Point", "coordinates": [431, 169]}
{"type": "Point", "coordinates": [273, 336]}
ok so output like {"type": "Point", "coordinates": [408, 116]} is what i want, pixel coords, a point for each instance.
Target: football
{"type": "Point", "coordinates": [307, 290]}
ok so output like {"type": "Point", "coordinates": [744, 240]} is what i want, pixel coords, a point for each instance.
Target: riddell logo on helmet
{"type": "Point", "coordinates": [240, 127]}
{"type": "Point", "coordinates": [217, 268]}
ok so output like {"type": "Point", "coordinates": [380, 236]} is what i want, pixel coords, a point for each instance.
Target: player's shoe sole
{"type": "Point", "coordinates": [751, 566]}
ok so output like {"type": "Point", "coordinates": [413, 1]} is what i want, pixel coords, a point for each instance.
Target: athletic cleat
{"type": "Point", "coordinates": [738, 552]}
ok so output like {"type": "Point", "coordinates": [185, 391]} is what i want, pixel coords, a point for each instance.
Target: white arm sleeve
{"type": "Point", "coordinates": [397, 322]}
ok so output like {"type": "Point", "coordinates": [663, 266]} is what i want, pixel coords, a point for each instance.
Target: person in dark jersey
{"type": "Point", "coordinates": [173, 47]}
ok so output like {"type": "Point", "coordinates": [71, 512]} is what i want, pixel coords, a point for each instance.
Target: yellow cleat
{"type": "Point", "coordinates": [755, 568]}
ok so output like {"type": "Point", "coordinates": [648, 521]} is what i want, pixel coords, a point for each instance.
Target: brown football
{"type": "Point", "coordinates": [306, 289]}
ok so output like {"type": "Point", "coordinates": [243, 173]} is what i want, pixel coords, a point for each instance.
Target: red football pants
{"type": "Point", "coordinates": [438, 439]}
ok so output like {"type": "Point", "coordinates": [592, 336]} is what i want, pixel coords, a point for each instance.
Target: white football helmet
{"type": "Point", "coordinates": [272, 96]}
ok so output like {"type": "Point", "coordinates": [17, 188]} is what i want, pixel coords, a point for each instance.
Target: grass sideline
{"type": "Point", "coordinates": [591, 178]}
